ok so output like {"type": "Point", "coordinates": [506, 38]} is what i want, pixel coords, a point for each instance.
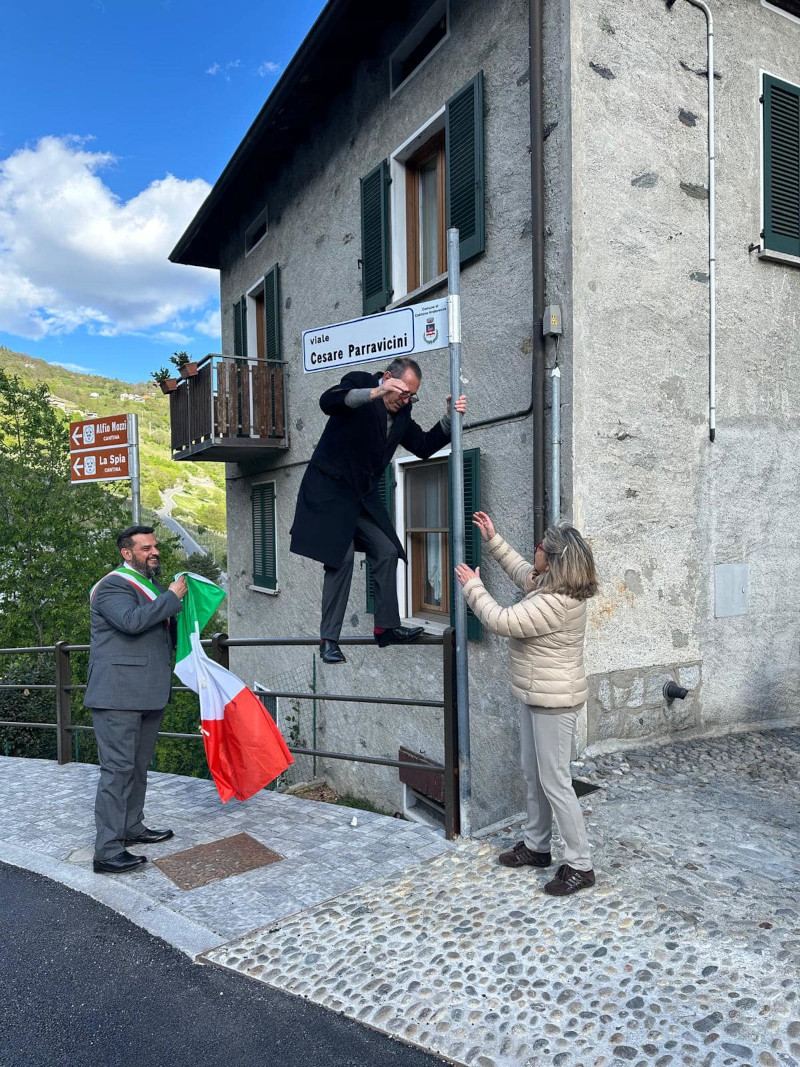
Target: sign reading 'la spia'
{"type": "Point", "coordinates": [405, 331]}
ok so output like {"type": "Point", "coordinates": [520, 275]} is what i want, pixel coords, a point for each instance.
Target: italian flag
{"type": "Point", "coordinates": [244, 747]}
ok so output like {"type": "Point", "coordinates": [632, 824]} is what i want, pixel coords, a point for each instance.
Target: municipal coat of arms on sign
{"type": "Point", "coordinates": [431, 333]}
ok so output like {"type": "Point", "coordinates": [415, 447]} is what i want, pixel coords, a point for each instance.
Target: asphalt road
{"type": "Point", "coordinates": [83, 986]}
{"type": "Point", "coordinates": [187, 541]}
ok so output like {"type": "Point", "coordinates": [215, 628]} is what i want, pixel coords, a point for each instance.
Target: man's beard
{"type": "Point", "coordinates": [145, 569]}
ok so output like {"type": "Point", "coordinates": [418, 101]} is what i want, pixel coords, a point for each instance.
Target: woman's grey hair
{"type": "Point", "coordinates": [570, 564]}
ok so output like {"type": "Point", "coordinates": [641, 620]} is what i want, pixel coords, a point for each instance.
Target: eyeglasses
{"type": "Point", "coordinates": [411, 398]}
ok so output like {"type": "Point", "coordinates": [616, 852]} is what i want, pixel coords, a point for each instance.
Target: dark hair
{"type": "Point", "coordinates": [126, 536]}
{"type": "Point", "coordinates": [399, 366]}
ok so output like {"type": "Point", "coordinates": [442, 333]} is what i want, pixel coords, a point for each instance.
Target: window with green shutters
{"type": "Point", "coordinates": [265, 570]}
{"type": "Point", "coordinates": [240, 327]}
{"type": "Point", "coordinates": [472, 536]}
{"type": "Point", "coordinates": [272, 314]}
{"type": "Point", "coordinates": [781, 116]}
{"type": "Point", "coordinates": [464, 163]}
{"type": "Point", "coordinates": [375, 239]}
{"type": "Point", "coordinates": [386, 488]}
{"type": "Point", "coordinates": [472, 547]}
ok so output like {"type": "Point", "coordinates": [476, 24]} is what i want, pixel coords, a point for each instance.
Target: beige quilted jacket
{"type": "Point", "coordinates": [544, 630]}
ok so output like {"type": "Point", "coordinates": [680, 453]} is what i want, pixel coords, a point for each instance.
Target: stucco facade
{"type": "Point", "coordinates": [626, 256]}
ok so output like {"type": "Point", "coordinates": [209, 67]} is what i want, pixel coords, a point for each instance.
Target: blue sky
{"type": "Point", "coordinates": [115, 120]}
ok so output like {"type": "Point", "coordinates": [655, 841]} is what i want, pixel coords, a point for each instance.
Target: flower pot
{"type": "Point", "coordinates": [188, 370]}
{"type": "Point", "coordinates": [169, 385]}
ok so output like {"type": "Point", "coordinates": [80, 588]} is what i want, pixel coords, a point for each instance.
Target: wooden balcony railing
{"type": "Point", "coordinates": [231, 411]}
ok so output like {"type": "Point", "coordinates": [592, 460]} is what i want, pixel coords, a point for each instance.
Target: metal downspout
{"type": "Point", "coordinates": [712, 256]}
{"type": "Point", "coordinates": [536, 83]}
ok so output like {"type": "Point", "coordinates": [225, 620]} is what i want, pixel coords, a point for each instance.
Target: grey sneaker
{"type": "Point", "coordinates": [522, 856]}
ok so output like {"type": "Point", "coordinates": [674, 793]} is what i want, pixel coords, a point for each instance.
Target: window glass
{"type": "Point", "coordinates": [427, 531]}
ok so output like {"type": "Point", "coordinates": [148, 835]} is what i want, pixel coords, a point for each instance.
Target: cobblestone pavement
{"type": "Point", "coordinates": [687, 951]}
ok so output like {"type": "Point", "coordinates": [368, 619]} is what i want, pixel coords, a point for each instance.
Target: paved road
{"type": "Point", "coordinates": [189, 544]}
{"type": "Point", "coordinates": [83, 986]}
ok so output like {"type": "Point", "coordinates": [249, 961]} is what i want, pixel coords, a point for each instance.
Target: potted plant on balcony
{"type": "Point", "coordinates": [185, 364]}
{"type": "Point", "coordinates": [163, 379]}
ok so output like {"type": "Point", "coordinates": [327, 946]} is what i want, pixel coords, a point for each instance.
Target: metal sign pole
{"type": "Point", "coordinates": [133, 467]}
{"type": "Point", "coordinates": [457, 498]}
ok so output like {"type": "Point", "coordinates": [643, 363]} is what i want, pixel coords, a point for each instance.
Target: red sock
{"type": "Point", "coordinates": [379, 629]}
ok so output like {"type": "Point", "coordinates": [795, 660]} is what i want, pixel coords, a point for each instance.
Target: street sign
{"type": "Point", "coordinates": [102, 465]}
{"type": "Point", "coordinates": [406, 331]}
{"type": "Point", "coordinates": [98, 433]}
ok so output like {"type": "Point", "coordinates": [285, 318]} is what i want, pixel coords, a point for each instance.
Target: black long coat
{"type": "Point", "coordinates": [345, 469]}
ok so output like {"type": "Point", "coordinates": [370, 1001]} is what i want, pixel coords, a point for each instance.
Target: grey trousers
{"type": "Point", "coordinates": [126, 741]}
{"type": "Point", "coordinates": [382, 555]}
{"type": "Point", "coordinates": [546, 751]}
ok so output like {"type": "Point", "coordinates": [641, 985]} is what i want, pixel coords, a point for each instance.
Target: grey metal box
{"type": "Point", "coordinates": [730, 589]}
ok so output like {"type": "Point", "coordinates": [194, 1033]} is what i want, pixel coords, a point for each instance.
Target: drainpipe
{"type": "Point", "coordinates": [712, 258]}
{"type": "Point", "coordinates": [536, 85]}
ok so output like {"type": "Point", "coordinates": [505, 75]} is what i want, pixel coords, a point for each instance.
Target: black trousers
{"type": "Point", "coordinates": [381, 552]}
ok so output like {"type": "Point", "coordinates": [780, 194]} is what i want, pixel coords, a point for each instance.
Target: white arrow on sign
{"type": "Point", "coordinates": [77, 466]}
{"type": "Point", "coordinates": [77, 436]}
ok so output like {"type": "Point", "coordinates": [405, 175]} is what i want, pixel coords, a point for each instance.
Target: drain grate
{"type": "Point", "coordinates": [582, 788]}
{"type": "Point", "coordinates": [203, 864]}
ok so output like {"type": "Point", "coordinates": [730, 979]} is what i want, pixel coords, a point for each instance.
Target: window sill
{"type": "Point", "coordinates": [418, 294]}
{"type": "Point", "coordinates": [436, 629]}
{"type": "Point", "coordinates": [261, 589]}
{"type": "Point", "coordinates": [779, 257]}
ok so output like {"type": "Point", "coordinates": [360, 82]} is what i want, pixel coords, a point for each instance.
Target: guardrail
{"type": "Point", "coordinates": [220, 644]}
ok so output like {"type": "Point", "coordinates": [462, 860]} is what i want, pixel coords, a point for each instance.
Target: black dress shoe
{"type": "Point", "coordinates": [119, 864]}
{"type": "Point", "coordinates": [399, 635]}
{"type": "Point", "coordinates": [330, 652]}
{"type": "Point", "coordinates": [149, 837]}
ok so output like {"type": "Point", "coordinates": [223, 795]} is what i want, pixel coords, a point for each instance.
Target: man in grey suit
{"type": "Point", "coordinates": [130, 673]}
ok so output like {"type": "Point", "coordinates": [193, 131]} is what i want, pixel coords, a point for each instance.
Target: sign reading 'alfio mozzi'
{"type": "Point", "coordinates": [404, 332]}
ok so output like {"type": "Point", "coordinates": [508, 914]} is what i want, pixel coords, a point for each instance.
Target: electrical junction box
{"type": "Point", "coordinates": [551, 321]}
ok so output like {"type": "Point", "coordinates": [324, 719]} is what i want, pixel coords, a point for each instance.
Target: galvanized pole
{"type": "Point", "coordinates": [457, 498]}
{"type": "Point", "coordinates": [555, 447]}
{"type": "Point", "coordinates": [133, 468]}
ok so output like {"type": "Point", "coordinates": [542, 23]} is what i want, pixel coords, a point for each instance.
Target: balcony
{"type": "Point", "coordinates": [231, 411]}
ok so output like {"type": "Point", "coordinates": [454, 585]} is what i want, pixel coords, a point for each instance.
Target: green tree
{"type": "Point", "coordinates": [56, 540]}
{"type": "Point", "coordinates": [203, 564]}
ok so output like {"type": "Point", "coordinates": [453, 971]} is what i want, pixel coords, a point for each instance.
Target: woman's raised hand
{"type": "Point", "coordinates": [464, 573]}
{"type": "Point", "coordinates": [484, 524]}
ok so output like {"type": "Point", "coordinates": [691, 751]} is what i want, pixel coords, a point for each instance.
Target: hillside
{"type": "Point", "coordinates": [196, 490]}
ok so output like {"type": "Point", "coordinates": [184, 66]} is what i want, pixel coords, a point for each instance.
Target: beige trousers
{"type": "Point", "coordinates": [546, 751]}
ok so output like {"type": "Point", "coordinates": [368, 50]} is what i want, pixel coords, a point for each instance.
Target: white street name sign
{"type": "Point", "coordinates": [407, 331]}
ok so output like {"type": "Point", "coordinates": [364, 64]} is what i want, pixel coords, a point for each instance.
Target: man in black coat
{"type": "Point", "coordinates": [339, 509]}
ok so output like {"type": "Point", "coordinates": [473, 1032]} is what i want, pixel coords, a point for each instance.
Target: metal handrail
{"type": "Point", "coordinates": [220, 645]}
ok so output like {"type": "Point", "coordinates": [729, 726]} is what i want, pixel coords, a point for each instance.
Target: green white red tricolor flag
{"type": "Point", "coordinates": [244, 747]}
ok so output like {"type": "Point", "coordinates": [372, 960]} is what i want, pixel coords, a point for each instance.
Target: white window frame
{"type": "Point", "coordinates": [260, 588]}
{"type": "Point", "coordinates": [404, 573]}
{"type": "Point", "coordinates": [415, 35]}
{"type": "Point", "coordinates": [397, 208]}
{"type": "Point", "coordinates": [252, 335]}
{"type": "Point", "coordinates": [769, 7]}
{"type": "Point", "coordinates": [260, 217]}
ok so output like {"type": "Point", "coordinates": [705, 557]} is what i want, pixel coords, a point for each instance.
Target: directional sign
{"type": "Point", "coordinates": [403, 332]}
{"type": "Point", "coordinates": [103, 465]}
{"type": "Point", "coordinates": [98, 433]}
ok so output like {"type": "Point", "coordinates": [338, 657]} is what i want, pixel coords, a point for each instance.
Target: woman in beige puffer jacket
{"type": "Point", "coordinates": [545, 632]}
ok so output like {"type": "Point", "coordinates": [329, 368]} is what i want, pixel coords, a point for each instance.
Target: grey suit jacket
{"type": "Point", "coordinates": [130, 655]}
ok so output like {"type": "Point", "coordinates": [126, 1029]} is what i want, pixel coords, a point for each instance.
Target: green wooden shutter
{"type": "Point", "coordinates": [464, 164]}
{"type": "Point", "coordinates": [272, 314]}
{"type": "Point", "coordinates": [781, 166]}
{"type": "Point", "coordinates": [240, 327]}
{"type": "Point", "coordinates": [375, 239]}
{"type": "Point", "coordinates": [265, 570]}
{"type": "Point", "coordinates": [386, 488]}
{"type": "Point", "coordinates": [472, 537]}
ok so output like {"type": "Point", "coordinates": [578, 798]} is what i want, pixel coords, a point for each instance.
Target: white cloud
{"type": "Point", "coordinates": [74, 367]}
{"type": "Point", "coordinates": [210, 325]}
{"type": "Point", "coordinates": [75, 256]}
{"type": "Point", "coordinates": [224, 69]}
{"type": "Point", "coordinates": [268, 67]}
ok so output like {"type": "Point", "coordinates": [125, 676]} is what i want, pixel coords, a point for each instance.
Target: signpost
{"type": "Point", "coordinates": [405, 331]}
{"type": "Point", "coordinates": [107, 450]}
